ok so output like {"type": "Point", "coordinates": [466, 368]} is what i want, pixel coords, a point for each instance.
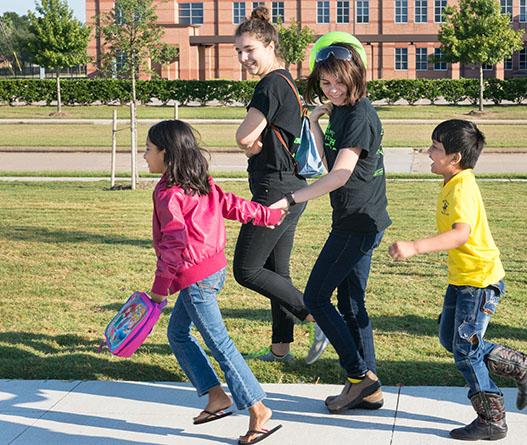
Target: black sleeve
{"type": "Point", "coordinates": [356, 134]}
{"type": "Point", "coordinates": [264, 100]}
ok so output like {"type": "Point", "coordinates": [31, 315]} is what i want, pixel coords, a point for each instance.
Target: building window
{"type": "Point", "coordinates": [401, 11]}
{"type": "Point", "coordinates": [343, 12]}
{"type": "Point", "coordinates": [508, 64]}
{"type": "Point", "coordinates": [278, 12]}
{"type": "Point", "coordinates": [439, 7]}
{"type": "Point", "coordinates": [191, 13]}
{"type": "Point", "coordinates": [323, 12]}
{"type": "Point", "coordinates": [488, 67]}
{"type": "Point", "coordinates": [421, 59]}
{"type": "Point", "coordinates": [439, 65]}
{"type": "Point", "coordinates": [523, 59]}
{"type": "Point", "coordinates": [401, 58]}
{"type": "Point", "coordinates": [421, 11]}
{"type": "Point", "coordinates": [238, 12]}
{"type": "Point", "coordinates": [256, 4]}
{"type": "Point", "coordinates": [506, 7]}
{"type": "Point", "coordinates": [523, 11]}
{"type": "Point", "coordinates": [363, 11]}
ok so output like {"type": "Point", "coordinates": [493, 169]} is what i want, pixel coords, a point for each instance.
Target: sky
{"type": "Point", "coordinates": [22, 6]}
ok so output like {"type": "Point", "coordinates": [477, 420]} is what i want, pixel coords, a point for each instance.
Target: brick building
{"type": "Point", "coordinates": [398, 35]}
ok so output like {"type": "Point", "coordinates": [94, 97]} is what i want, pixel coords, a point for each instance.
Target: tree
{"type": "Point", "coordinates": [294, 41]}
{"type": "Point", "coordinates": [477, 33]}
{"type": "Point", "coordinates": [131, 40]}
{"type": "Point", "coordinates": [60, 39]}
{"type": "Point", "coordinates": [14, 39]}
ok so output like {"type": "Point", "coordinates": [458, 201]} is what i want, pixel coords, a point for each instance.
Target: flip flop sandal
{"type": "Point", "coordinates": [211, 416]}
{"type": "Point", "coordinates": [260, 435]}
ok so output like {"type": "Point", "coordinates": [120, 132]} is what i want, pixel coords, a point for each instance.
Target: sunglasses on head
{"type": "Point", "coordinates": [338, 52]}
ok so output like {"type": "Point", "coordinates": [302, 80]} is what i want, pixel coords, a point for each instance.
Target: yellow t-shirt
{"type": "Point", "coordinates": [477, 262]}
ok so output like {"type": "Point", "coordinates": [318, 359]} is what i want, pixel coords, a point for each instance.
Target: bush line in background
{"type": "Point", "coordinates": [118, 91]}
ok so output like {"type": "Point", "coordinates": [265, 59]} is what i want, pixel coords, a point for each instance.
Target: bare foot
{"type": "Point", "coordinates": [259, 416]}
{"type": "Point", "coordinates": [218, 401]}
{"type": "Point", "coordinates": [309, 318]}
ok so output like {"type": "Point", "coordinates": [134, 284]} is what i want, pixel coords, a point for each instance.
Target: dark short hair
{"type": "Point", "coordinates": [460, 136]}
{"type": "Point", "coordinates": [352, 73]}
{"type": "Point", "coordinates": [184, 159]}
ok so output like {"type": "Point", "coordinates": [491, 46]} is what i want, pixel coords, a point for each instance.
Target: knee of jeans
{"type": "Point", "coordinates": [313, 301]}
{"type": "Point", "coordinates": [245, 276]}
{"type": "Point", "coordinates": [177, 335]}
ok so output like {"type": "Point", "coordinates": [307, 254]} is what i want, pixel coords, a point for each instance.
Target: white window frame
{"type": "Point", "coordinates": [323, 11]}
{"type": "Point", "coordinates": [401, 9]}
{"type": "Point", "coordinates": [343, 11]}
{"type": "Point", "coordinates": [522, 59]}
{"type": "Point", "coordinates": [523, 11]}
{"type": "Point", "coordinates": [420, 11]}
{"type": "Point", "coordinates": [439, 7]}
{"type": "Point", "coordinates": [401, 58]}
{"type": "Point", "coordinates": [277, 10]}
{"type": "Point", "coordinates": [362, 11]}
{"type": "Point", "coordinates": [507, 64]}
{"type": "Point", "coordinates": [192, 6]}
{"type": "Point", "coordinates": [506, 7]}
{"type": "Point", "coordinates": [440, 67]}
{"type": "Point", "coordinates": [238, 12]}
{"type": "Point", "coordinates": [419, 61]}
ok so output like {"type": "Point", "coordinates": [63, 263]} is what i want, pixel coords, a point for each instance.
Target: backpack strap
{"type": "Point", "coordinates": [302, 114]}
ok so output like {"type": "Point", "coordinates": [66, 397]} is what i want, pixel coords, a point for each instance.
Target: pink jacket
{"type": "Point", "coordinates": [189, 232]}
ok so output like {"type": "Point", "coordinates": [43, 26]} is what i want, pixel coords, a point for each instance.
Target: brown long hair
{"type": "Point", "coordinates": [184, 159]}
{"type": "Point", "coordinates": [351, 72]}
{"type": "Point", "coordinates": [259, 24]}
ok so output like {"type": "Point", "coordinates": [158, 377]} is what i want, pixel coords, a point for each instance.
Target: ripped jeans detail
{"type": "Point", "coordinates": [464, 320]}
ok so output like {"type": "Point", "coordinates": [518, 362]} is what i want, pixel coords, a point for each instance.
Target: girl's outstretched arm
{"type": "Point", "coordinates": [338, 176]}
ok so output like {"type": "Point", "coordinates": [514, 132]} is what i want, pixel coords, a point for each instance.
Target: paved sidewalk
{"type": "Point", "coordinates": [121, 413]}
{"type": "Point", "coordinates": [397, 160]}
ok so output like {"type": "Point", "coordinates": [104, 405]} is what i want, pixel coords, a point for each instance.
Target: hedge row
{"type": "Point", "coordinates": [111, 91]}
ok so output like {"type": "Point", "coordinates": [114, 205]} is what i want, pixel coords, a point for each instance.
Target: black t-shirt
{"type": "Point", "coordinates": [360, 204]}
{"type": "Point", "coordinates": [275, 99]}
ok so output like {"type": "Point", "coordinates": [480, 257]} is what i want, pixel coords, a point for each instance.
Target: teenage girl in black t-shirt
{"type": "Point", "coordinates": [351, 148]}
{"type": "Point", "coordinates": [261, 258]}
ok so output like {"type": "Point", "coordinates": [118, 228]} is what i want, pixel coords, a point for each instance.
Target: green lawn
{"type": "Point", "coordinates": [71, 253]}
{"type": "Point", "coordinates": [231, 112]}
{"type": "Point", "coordinates": [221, 136]}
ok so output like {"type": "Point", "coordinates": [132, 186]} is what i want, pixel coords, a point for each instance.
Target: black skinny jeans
{"type": "Point", "coordinates": [261, 258]}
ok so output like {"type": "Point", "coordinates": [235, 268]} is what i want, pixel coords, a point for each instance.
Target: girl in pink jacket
{"type": "Point", "coordinates": [189, 240]}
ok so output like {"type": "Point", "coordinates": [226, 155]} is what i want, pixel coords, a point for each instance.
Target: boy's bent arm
{"type": "Point", "coordinates": [451, 239]}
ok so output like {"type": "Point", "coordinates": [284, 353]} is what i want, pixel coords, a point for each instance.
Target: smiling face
{"type": "Point", "coordinates": [334, 89]}
{"type": "Point", "coordinates": [444, 164]}
{"type": "Point", "coordinates": [155, 158]}
{"type": "Point", "coordinates": [257, 58]}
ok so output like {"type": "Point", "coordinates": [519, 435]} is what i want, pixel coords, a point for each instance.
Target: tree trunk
{"type": "Point", "coordinates": [481, 88]}
{"type": "Point", "coordinates": [59, 100]}
{"type": "Point", "coordinates": [133, 128]}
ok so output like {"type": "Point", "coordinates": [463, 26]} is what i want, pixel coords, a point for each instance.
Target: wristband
{"type": "Point", "coordinates": [290, 200]}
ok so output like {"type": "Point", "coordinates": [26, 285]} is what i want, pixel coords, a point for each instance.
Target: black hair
{"type": "Point", "coordinates": [460, 136]}
{"type": "Point", "coordinates": [352, 73]}
{"type": "Point", "coordinates": [184, 159]}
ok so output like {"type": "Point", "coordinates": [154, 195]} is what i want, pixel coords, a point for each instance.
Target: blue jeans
{"type": "Point", "coordinates": [344, 262]}
{"type": "Point", "coordinates": [197, 305]}
{"type": "Point", "coordinates": [466, 314]}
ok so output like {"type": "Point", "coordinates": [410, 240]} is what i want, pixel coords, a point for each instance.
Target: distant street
{"type": "Point", "coordinates": [397, 160]}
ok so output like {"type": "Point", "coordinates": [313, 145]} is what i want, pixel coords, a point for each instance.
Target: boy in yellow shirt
{"type": "Point", "coordinates": [475, 279]}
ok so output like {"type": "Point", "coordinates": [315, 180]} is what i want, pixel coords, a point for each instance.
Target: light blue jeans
{"type": "Point", "coordinates": [466, 314]}
{"type": "Point", "coordinates": [197, 305]}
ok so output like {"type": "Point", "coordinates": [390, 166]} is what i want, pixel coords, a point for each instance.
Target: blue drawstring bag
{"type": "Point", "coordinates": [306, 160]}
